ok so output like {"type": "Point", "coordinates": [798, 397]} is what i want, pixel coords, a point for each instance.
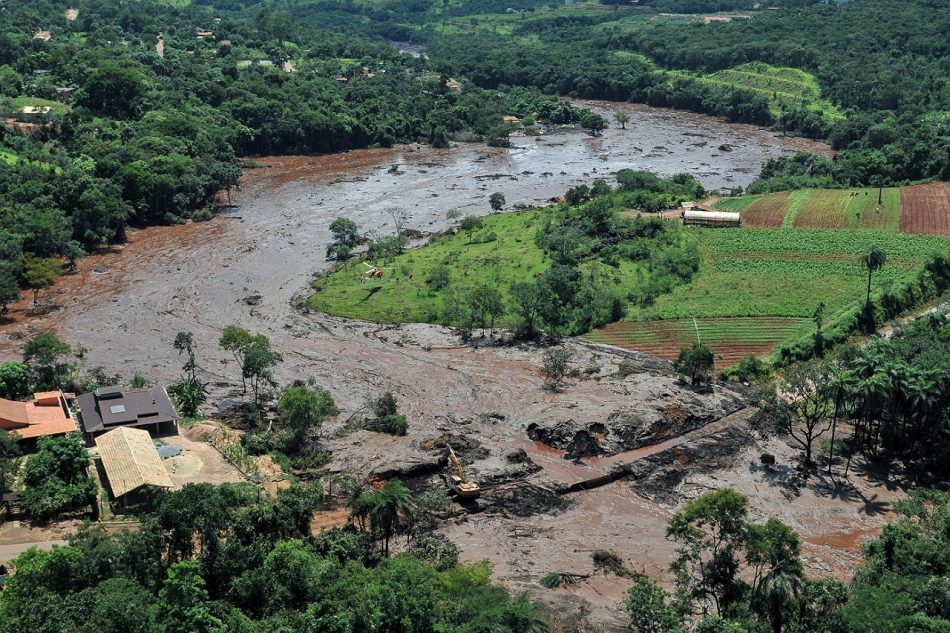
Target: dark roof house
{"type": "Point", "coordinates": [109, 408]}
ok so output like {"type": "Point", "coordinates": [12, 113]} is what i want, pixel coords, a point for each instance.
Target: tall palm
{"type": "Point", "coordinates": [776, 595]}
{"type": "Point", "coordinates": [872, 261]}
{"type": "Point", "coordinates": [391, 504]}
{"type": "Point", "coordinates": [842, 385]}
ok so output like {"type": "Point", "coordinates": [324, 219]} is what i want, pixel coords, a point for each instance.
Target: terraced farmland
{"type": "Point", "coordinates": [926, 207]}
{"type": "Point", "coordinates": [730, 338]}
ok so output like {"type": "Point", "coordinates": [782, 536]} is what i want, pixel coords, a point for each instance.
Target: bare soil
{"type": "Point", "coordinates": [539, 512]}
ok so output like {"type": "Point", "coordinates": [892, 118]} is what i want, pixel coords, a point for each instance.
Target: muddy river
{"type": "Point", "coordinates": [246, 266]}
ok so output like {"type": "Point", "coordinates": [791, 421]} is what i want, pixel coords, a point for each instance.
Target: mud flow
{"type": "Point", "coordinates": [607, 460]}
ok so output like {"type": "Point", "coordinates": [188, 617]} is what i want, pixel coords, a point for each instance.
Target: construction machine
{"type": "Point", "coordinates": [457, 482]}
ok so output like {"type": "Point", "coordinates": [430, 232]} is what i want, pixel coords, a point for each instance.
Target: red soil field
{"type": "Point", "coordinates": [730, 339]}
{"type": "Point", "coordinates": [926, 209]}
{"type": "Point", "coordinates": [767, 212]}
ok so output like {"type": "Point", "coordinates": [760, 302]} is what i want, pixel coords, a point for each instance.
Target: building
{"type": "Point", "coordinates": [109, 408]}
{"type": "Point", "coordinates": [48, 414]}
{"type": "Point", "coordinates": [34, 113]}
{"type": "Point", "coordinates": [131, 463]}
{"type": "Point", "coordinates": [701, 217]}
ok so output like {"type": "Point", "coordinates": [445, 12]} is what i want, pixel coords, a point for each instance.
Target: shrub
{"type": "Point", "coordinates": [439, 277]}
{"type": "Point", "coordinates": [470, 223]}
{"type": "Point", "coordinates": [626, 368]}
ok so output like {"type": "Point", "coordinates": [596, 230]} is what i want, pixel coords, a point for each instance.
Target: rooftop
{"type": "Point", "coordinates": [47, 414]}
{"type": "Point", "coordinates": [110, 407]}
{"type": "Point", "coordinates": [130, 461]}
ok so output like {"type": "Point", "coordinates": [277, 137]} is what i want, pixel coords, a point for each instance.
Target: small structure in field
{"type": "Point", "coordinates": [109, 408]}
{"type": "Point", "coordinates": [34, 113]}
{"type": "Point", "coordinates": [131, 463]}
{"type": "Point", "coordinates": [701, 217]}
{"type": "Point", "coordinates": [48, 414]}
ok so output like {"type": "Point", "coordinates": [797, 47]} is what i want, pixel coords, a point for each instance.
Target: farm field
{"type": "Point", "coordinates": [730, 338]}
{"type": "Point", "coordinates": [926, 209]}
{"type": "Point", "coordinates": [780, 86]}
{"type": "Point", "coordinates": [848, 209]}
{"type": "Point", "coordinates": [759, 287]}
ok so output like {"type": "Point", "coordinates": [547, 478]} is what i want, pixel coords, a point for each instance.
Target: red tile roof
{"type": "Point", "coordinates": [46, 415]}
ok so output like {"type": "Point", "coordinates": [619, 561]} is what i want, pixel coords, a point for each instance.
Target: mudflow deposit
{"type": "Point", "coordinates": [601, 465]}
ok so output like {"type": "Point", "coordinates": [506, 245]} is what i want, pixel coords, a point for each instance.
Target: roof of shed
{"type": "Point", "coordinates": [131, 461]}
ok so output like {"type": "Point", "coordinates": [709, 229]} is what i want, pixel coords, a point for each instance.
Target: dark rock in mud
{"type": "Point", "coordinates": [253, 300]}
{"type": "Point", "coordinates": [408, 466]}
{"type": "Point", "coordinates": [658, 476]}
{"type": "Point", "coordinates": [523, 501]}
{"type": "Point", "coordinates": [466, 447]}
{"type": "Point", "coordinates": [627, 429]}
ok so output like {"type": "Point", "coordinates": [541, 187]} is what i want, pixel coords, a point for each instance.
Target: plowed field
{"type": "Point", "coordinates": [767, 211]}
{"type": "Point", "coordinates": [730, 338]}
{"type": "Point", "coordinates": [926, 209]}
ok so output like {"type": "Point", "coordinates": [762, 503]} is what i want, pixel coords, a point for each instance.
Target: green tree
{"type": "Point", "coordinates": [486, 305]}
{"type": "Point", "coordinates": [803, 412]}
{"type": "Point", "coordinates": [190, 391]}
{"type": "Point", "coordinates": [773, 550]}
{"type": "Point", "coordinates": [55, 479]}
{"type": "Point", "coordinates": [258, 367]}
{"type": "Point", "coordinates": [183, 601]}
{"type": "Point", "coordinates": [696, 362]}
{"type": "Point", "coordinates": [40, 273]}
{"type": "Point", "coordinates": [46, 357]}
{"type": "Point", "coordinates": [345, 232]}
{"type": "Point", "coordinates": [14, 380]}
{"type": "Point", "coordinates": [496, 201]}
{"type": "Point", "coordinates": [555, 365]}
{"type": "Point", "coordinates": [650, 610]}
{"type": "Point", "coordinates": [622, 118]}
{"type": "Point", "coordinates": [9, 451]}
{"type": "Point", "coordinates": [114, 89]}
{"type": "Point", "coordinates": [386, 511]}
{"type": "Point", "coordinates": [303, 407]}
{"type": "Point", "coordinates": [236, 340]}
{"type": "Point", "coordinates": [9, 288]}
{"type": "Point", "coordinates": [710, 533]}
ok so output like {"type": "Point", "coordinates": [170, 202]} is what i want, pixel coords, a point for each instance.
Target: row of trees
{"type": "Point", "coordinates": [893, 394]}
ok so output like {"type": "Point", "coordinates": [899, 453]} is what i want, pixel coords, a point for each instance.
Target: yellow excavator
{"type": "Point", "coordinates": [457, 482]}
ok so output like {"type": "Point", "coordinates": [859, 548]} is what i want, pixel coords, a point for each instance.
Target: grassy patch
{"type": "Point", "coordinates": [780, 86]}
{"type": "Point", "coordinates": [8, 157]}
{"type": "Point", "coordinates": [403, 295]}
{"type": "Point", "coordinates": [735, 205]}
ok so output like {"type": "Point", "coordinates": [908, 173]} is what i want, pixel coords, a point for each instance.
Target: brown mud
{"type": "Point", "coordinates": [247, 266]}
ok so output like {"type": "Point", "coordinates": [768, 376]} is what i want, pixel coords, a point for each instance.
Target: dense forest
{"type": "Point", "coordinates": [131, 137]}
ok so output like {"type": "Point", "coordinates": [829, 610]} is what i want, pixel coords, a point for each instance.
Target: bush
{"type": "Point", "coordinates": [749, 369]}
{"type": "Point", "coordinates": [470, 223]}
{"type": "Point", "coordinates": [439, 277]}
{"type": "Point", "coordinates": [626, 368]}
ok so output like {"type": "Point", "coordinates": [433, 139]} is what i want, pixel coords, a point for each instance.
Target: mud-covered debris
{"type": "Point", "coordinates": [253, 300]}
{"type": "Point", "coordinates": [523, 501]}
{"type": "Point", "coordinates": [407, 466]}
{"type": "Point", "coordinates": [467, 447]}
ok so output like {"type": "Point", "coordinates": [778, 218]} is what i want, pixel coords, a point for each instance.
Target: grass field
{"type": "Point", "coordinates": [851, 209]}
{"type": "Point", "coordinates": [759, 287]}
{"type": "Point", "coordinates": [7, 157]}
{"type": "Point", "coordinates": [789, 86]}
{"type": "Point", "coordinates": [403, 296]}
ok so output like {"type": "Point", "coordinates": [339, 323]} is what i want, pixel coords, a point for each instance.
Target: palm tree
{"type": "Point", "coordinates": [390, 505]}
{"type": "Point", "coordinates": [842, 385]}
{"type": "Point", "coordinates": [777, 592]}
{"type": "Point", "coordinates": [872, 261]}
